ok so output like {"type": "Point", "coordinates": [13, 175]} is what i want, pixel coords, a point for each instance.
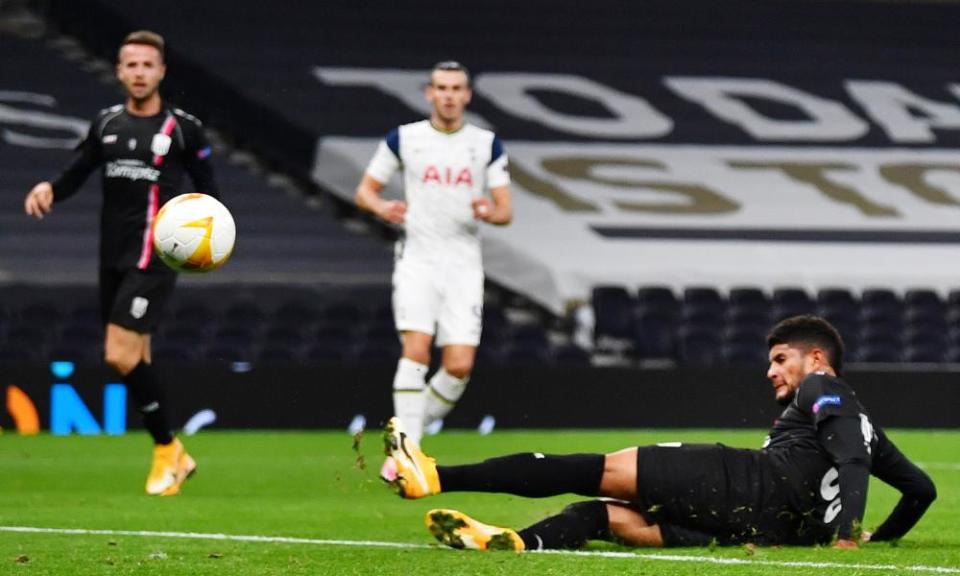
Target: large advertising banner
{"type": "Point", "coordinates": [64, 398]}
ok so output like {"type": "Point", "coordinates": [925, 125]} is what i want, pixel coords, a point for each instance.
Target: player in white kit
{"type": "Point", "coordinates": [447, 166]}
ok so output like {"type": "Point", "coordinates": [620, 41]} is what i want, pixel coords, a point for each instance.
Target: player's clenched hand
{"type": "Point", "coordinates": [482, 208]}
{"type": "Point", "coordinates": [39, 201]}
{"type": "Point", "coordinates": [393, 211]}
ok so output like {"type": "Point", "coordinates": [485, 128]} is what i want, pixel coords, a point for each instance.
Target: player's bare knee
{"type": "Point", "coordinates": [121, 359]}
{"type": "Point", "coordinates": [458, 368]}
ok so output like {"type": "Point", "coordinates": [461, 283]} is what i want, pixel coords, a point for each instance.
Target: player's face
{"type": "Point", "coordinates": [140, 70]}
{"type": "Point", "coordinates": [788, 367]}
{"type": "Point", "coordinates": [449, 94]}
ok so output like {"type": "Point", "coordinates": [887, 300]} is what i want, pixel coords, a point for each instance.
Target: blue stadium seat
{"type": "Point", "coordinates": [613, 310]}
{"type": "Point", "coordinates": [30, 335]}
{"type": "Point", "coordinates": [953, 299]}
{"type": "Point", "coordinates": [229, 352]}
{"type": "Point", "coordinates": [530, 334]}
{"type": "Point", "coordinates": [278, 354]}
{"type": "Point", "coordinates": [186, 335]}
{"type": "Point", "coordinates": [489, 355]}
{"type": "Point", "coordinates": [879, 346]}
{"type": "Point", "coordinates": [496, 327]}
{"type": "Point", "coordinates": [333, 332]}
{"type": "Point", "coordinates": [385, 350]}
{"type": "Point", "coordinates": [748, 297]}
{"type": "Point", "coordinates": [923, 298]}
{"type": "Point", "coordinates": [527, 353]}
{"type": "Point", "coordinates": [953, 354]}
{"type": "Point", "coordinates": [85, 314]}
{"type": "Point", "coordinates": [81, 334]}
{"type": "Point", "coordinates": [238, 335]}
{"type": "Point", "coordinates": [75, 353]}
{"type": "Point", "coordinates": [15, 352]}
{"type": "Point", "coordinates": [788, 302]}
{"type": "Point", "coordinates": [193, 313]}
{"type": "Point", "coordinates": [923, 317]}
{"type": "Point", "coordinates": [744, 345]}
{"type": "Point", "coordinates": [654, 334]}
{"type": "Point", "coordinates": [343, 313]}
{"type": "Point", "coordinates": [659, 298]}
{"type": "Point", "coordinates": [705, 319]}
{"type": "Point", "coordinates": [43, 314]}
{"type": "Point", "coordinates": [296, 313]}
{"type": "Point", "coordinates": [327, 352]}
{"type": "Point", "coordinates": [924, 346]}
{"type": "Point", "coordinates": [244, 313]}
{"type": "Point", "coordinates": [571, 355]}
{"type": "Point", "coordinates": [699, 348]}
{"type": "Point", "coordinates": [286, 335]}
{"type": "Point", "coordinates": [175, 352]}
{"type": "Point", "coordinates": [881, 299]}
{"type": "Point", "coordinates": [703, 298]}
{"type": "Point", "coordinates": [837, 299]}
{"type": "Point", "coordinates": [880, 319]}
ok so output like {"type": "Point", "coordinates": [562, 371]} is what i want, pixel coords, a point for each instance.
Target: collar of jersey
{"type": "Point", "coordinates": [462, 126]}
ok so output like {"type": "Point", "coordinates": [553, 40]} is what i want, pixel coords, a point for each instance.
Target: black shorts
{"type": "Point", "coordinates": [710, 493]}
{"type": "Point", "coordinates": [135, 299]}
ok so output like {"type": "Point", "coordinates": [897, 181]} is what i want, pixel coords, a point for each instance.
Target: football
{"type": "Point", "coordinates": [194, 233]}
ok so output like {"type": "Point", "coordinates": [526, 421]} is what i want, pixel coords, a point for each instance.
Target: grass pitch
{"type": "Point", "coordinates": [315, 508]}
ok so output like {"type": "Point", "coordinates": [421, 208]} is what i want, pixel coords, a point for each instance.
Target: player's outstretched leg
{"type": "Point", "coordinates": [415, 473]}
{"type": "Point", "coordinates": [457, 530]}
{"type": "Point", "coordinates": [171, 467]}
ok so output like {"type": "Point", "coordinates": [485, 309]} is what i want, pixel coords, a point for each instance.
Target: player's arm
{"type": "Point", "coordinates": [499, 211]}
{"type": "Point", "coordinates": [917, 490]}
{"type": "Point", "coordinates": [846, 436]}
{"type": "Point", "coordinates": [86, 157]}
{"type": "Point", "coordinates": [197, 156]}
{"type": "Point", "coordinates": [368, 197]}
{"type": "Point", "coordinates": [385, 161]}
{"type": "Point", "coordinates": [842, 437]}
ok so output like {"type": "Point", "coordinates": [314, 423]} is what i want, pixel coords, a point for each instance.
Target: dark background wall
{"type": "Point", "coordinates": [329, 396]}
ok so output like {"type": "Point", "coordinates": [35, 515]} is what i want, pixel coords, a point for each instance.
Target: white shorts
{"type": "Point", "coordinates": [434, 300]}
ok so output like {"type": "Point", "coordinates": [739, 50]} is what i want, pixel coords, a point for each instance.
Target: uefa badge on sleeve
{"type": "Point", "coordinates": [160, 144]}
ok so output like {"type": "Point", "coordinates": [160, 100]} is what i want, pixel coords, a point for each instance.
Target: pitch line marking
{"type": "Point", "coordinates": [406, 545]}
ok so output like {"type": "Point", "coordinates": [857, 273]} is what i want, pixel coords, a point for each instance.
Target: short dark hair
{"type": "Point", "coordinates": [811, 331]}
{"type": "Point", "coordinates": [450, 66]}
{"type": "Point", "coordinates": [147, 38]}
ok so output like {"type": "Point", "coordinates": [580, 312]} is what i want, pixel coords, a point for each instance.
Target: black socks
{"type": "Point", "coordinates": [533, 475]}
{"type": "Point", "coordinates": [146, 392]}
{"type": "Point", "coordinates": [571, 528]}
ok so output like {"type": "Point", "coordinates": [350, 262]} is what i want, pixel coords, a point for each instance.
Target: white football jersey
{"type": "Point", "coordinates": [442, 174]}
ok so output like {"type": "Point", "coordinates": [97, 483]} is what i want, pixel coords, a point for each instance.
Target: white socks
{"type": "Point", "coordinates": [408, 396]}
{"type": "Point", "coordinates": [418, 405]}
{"type": "Point", "coordinates": [442, 395]}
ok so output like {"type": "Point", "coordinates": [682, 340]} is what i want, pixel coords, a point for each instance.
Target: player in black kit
{"type": "Point", "coordinates": [144, 148]}
{"type": "Point", "coordinates": [807, 485]}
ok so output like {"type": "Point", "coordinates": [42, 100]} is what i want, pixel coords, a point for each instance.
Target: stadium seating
{"type": "Point", "coordinates": [702, 327]}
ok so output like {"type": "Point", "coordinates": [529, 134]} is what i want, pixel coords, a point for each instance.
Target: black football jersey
{"type": "Point", "coordinates": [143, 161]}
{"type": "Point", "coordinates": [822, 450]}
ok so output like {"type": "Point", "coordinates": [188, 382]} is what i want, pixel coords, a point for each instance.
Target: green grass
{"type": "Point", "coordinates": [308, 485]}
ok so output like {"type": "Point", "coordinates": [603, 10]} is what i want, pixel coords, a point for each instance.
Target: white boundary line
{"type": "Point", "coordinates": [376, 544]}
